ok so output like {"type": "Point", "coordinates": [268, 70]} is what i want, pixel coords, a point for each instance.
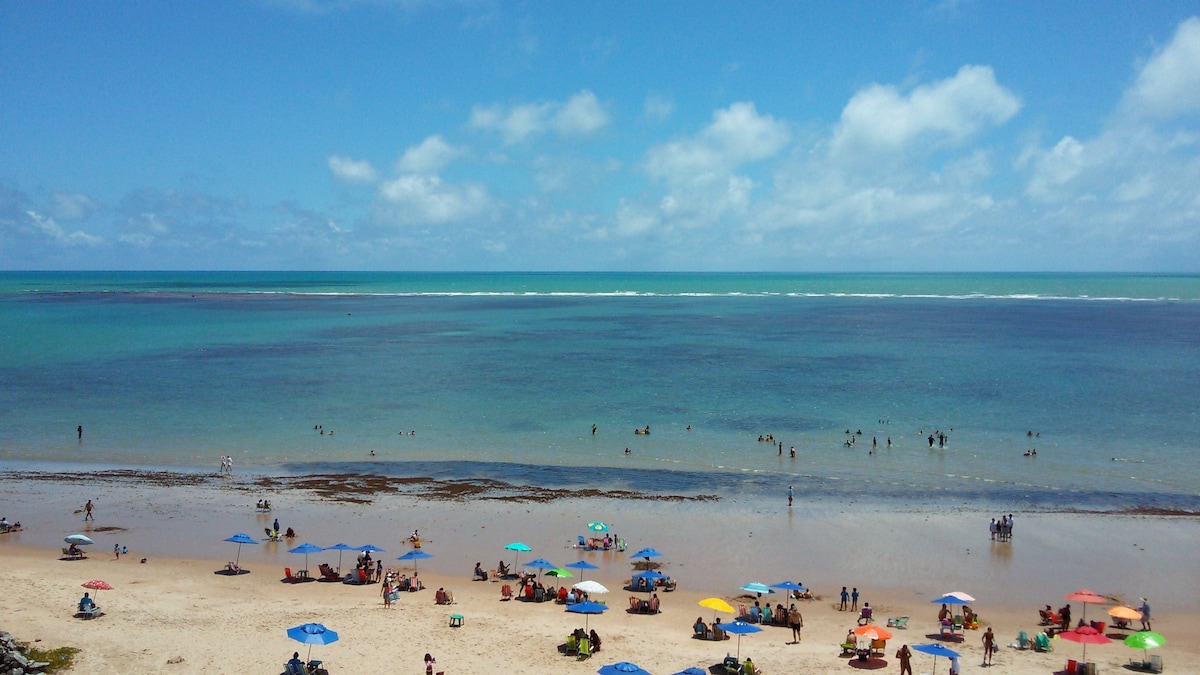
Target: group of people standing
{"type": "Point", "coordinates": [1001, 530]}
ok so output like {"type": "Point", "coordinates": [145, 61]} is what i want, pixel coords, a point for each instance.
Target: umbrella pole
{"type": "Point", "coordinates": [237, 559]}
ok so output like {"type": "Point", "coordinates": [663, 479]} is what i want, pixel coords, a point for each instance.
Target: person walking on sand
{"type": "Point", "coordinates": [791, 494]}
{"type": "Point", "coordinates": [796, 622]}
{"type": "Point", "coordinates": [117, 551]}
{"type": "Point", "coordinates": [845, 599]}
{"type": "Point", "coordinates": [854, 599]}
{"type": "Point", "coordinates": [904, 656]}
{"type": "Point", "coordinates": [1145, 610]}
{"type": "Point", "coordinates": [989, 646]}
{"type": "Point", "coordinates": [87, 511]}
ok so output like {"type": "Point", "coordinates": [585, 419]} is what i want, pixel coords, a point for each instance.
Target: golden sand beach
{"type": "Point", "coordinates": [172, 614]}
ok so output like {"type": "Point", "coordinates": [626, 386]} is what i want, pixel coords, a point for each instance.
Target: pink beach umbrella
{"type": "Point", "coordinates": [97, 585]}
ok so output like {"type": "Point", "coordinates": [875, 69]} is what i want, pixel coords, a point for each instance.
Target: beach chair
{"type": "Point", "coordinates": [635, 604]}
{"type": "Point", "coordinates": [898, 622]}
{"type": "Point", "coordinates": [506, 592]}
{"type": "Point", "coordinates": [849, 648]}
{"type": "Point", "coordinates": [865, 615]}
{"type": "Point", "coordinates": [1156, 665]}
{"type": "Point", "coordinates": [958, 623]}
{"type": "Point", "coordinates": [1042, 643]}
{"type": "Point", "coordinates": [582, 543]}
{"type": "Point", "coordinates": [1022, 640]}
{"type": "Point", "coordinates": [539, 595]}
{"type": "Point", "coordinates": [945, 628]}
{"type": "Point", "coordinates": [743, 613]}
{"type": "Point", "coordinates": [89, 612]}
{"type": "Point", "coordinates": [288, 577]}
{"type": "Point", "coordinates": [293, 669]}
{"type": "Point", "coordinates": [572, 645]}
{"type": "Point", "coordinates": [700, 631]}
{"type": "Point", "coordinates": [877, 647]}
{"type": "Point", "coordinates": [585, 648]}
{"type": "Point", "coordinates": [652, 605]}
{"type": "Point", "coordinates": [731, 664]}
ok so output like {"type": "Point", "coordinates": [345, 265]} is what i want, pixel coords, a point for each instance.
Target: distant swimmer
{"type": "Point", "coordinates": [593, 429]}
{"type": "Point", "coordinates": [79, 430]}
{"type": "Point", "coordinates": [793, 452]}
{"type": "Point", "coordinates": [372, 453]}
{"type": "Point", "coordinates": [627, 451]}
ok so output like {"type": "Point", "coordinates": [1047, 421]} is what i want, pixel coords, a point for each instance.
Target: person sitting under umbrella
{"type": "Point", "coordinates": [86, 604]}
{"type": "Point", "coordinates": [295, 665]}
{"type": "Point", "coordinates": [595, 639]}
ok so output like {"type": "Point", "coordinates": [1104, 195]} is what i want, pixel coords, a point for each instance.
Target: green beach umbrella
{"type": "Point", "coordinates": [1144, 640]}
{"type": "Point", "coordinates": [559, 573]}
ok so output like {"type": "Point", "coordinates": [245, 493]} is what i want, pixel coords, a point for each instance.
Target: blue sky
{"type": "Point", "coordinates": [476, 135]}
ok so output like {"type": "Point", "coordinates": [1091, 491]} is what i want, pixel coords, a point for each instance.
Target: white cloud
{"type": "Point", "coordinates": [353, 171]}
{"type": "Point", "coordinates": [880, 117]}
{"type": "Point", "coordinates": [430, 156]}
{"type": "Point", "coordinates": [579, 115]}
{"type": "Point", "coordinates": [72, 206]}
{"type": "Point", "coordinates": [426, 199]}
{"type": "Point", "coordinates": [1169, 83]}
{"type": "Point", "coordinates": [48, 227]}
{"type": "Point", "coordinates": [1055, 168]}
{"type": "Point", "coordinates": [736, 136]}
{"type": "Point", "coordinates": [657, 108]}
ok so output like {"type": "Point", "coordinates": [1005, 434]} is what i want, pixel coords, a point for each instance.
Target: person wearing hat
{"type": "Point", "coordinates": [1145, 610]}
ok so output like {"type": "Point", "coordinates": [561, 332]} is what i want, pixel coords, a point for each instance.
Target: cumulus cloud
{"type": "Point", "coordinates": [1169, 83]}
{"type": "Point", "coordinates": [352, 171]}
{"type": "Point", "coordinates": [579, 115]}
{"type": "Point", "coordinates": [74, 206]}
{"type": "Point", "coordinates": [54, 231]}
{"type": "Point", "coordinates": [737, 135]}
{"type": "Point", "coordinates": [881, 117]}
{"type": "Point", "coordinates": [418, 199]}
{"type": "Point", "coordinates": [430, 156]}
{"type": "Point", "coordinates": [657, 108]}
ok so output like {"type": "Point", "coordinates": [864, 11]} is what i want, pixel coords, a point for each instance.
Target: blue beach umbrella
{"type": "Point", "coordinates": [541, 564]}
{"type": "Point", "coordinates": [692, 671]}
{"type": "Point", "coordinates": [306, 549]}
{"type": "Point", "coordinates": [582, 565]}
{"type": "Point", "coordinates": [587, 609]}
{"type": "Point", "coordinates": [954, 598]}
{"type": "Point", "coordinates": [650, 575]}
{"type": "Point", "coordinates": [415, 555]}
{"type": "Point", "coordinates": [646, 553]}
{"type": "Point", "coordinates": [740, 628]}
{"type": "Point", "coordinates": [339, 547]}
{"type": "Point", "coordinates": [369, 548]}
{"type": "Point", "coordinates": [597, 526]}
{"type": "Point", "coordinates": [756, 587]}
{"type": "Point", "coordinates": [312, 634]}
{"type": "Point", "coordinates": [518, 547]}
{"type": "Point", "coordinates": [936, 650]}
{"type": "Point", "coordinates": [622, 668]}
{"type": "Point", "coordinates": [239, 539]}
{"type": "Point", "coordinates": [789, 586]}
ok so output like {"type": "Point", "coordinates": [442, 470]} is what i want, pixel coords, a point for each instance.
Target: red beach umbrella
{"type": "Point", "coordinates": [1085, 635]}
{"type": "Point", "coordinates": [1087, 597]}
{"type": "Point", "coordinates": [101, 585]}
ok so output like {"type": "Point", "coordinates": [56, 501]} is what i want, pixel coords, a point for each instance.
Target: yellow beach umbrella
{"type": "Point", "coordinates": [717, 605]}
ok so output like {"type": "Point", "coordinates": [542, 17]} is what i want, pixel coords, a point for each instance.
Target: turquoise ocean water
{"type": "Point", "coordinates": [503, 375]}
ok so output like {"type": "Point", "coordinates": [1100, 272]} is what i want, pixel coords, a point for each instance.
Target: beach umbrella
{"type": "Point", "coordinates": [692, 671]}
{"type": "Point", "coordinates": [339, 547]}
{"type": "Point", "coordinates": [415, 555]}
{"type": "Point", "coordinates": [597, 526]}
{"type": "Point", "coordinates": [717, 605]}
{"type": "Point", "coordinates": [590, 587]}
{"type": "Point", "coordinates": [369, 548]}
{"type": "Point", "coordinates": [1144, 640]}
{"type": "Point", "coordinates": [582, 565]}
{"type": "Point", "coordinates": [560, 573]}
{"type": "Point", "coordinates": [873, 632]}
{"type": "Point", "coordinates": [953, 598]}
{"type": "Point", "coordinates": [1123, 612]}
{"type": "Point", "coordinates": [518, 547]}
{"type": "Point", "coordinates": [587, 609]}
{"type": "Point", "coordinates": [651, 576]}
{"type": "Point", "coordinates": [78, 539]}
{"type": "Point", "coordinates": [646, 553]}
{"type": "Point", "coordinates": [1085, 635]}
{"type": "Point", "coordinates": [541, 564]}
{"type": "Point", "coordinates": [740, 628]}
{"type": "Point", "coordinates": [1086, 597]}
{"type": "Point", "coordinates": [936, 650]}
{"type": "Point", "coordinates": [99, 585]}
{"type": "Point", "coordinates": [312, 634]}
{"type": "Point", "coordinates": [622, 668]}
{"type": "Point", "coordinates": [243, 538]}
{"type": "Point", "coordinates": [789, 587]}
{"type": "Point", "coordinates": [306, 549]}
{"type": "Point", "coordinates": [756, 587]}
